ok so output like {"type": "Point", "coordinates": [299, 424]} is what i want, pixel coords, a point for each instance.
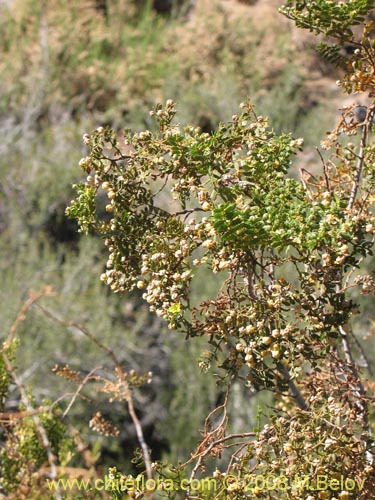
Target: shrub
{"type": "Point", "coordinates": [286, 250]}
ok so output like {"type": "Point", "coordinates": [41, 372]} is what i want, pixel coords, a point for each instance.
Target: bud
{"type": "Point", "coordinates": [266, 340]}
{"type": "Point", "coordinates": [84, 162]}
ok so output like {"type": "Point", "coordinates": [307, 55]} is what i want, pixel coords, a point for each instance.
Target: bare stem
{"type": "Point", "coordinates": [360, 391]}
{"type": "Point", "coordinates": [361, 155]}
{"type": "Point", "coordinates": [367, 363]}
{"type": "Point", "coordinates": [126, 388]}
{"type": "Point", "coordinates": [292, 387]}
{"type": "Point", "coordinates": [79, 389]}
{"type": "Point", "coordinates": [45, 442]}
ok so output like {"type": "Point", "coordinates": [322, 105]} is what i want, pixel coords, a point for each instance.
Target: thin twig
{"type": "Point", "coordinates": [21, 316]}
{"type": "Point", "coordinates": [325, 170]}
{"type": "Point", "coordinates": [211, 446]}
{"type": "Point", "coordinates": [32, 299]}
{"type": "Point", "coordinates": [45, 442]}
{"type": "Point", "coordinates": [361, 155]}
{"type": "Point", "coordinates": [6, 417]}
{"type": "Point", "coordinates": [304, 184]}
{"type": "Point", "coordinates": [368, 363]}
{"type": "Point", "coordinates": [126, 388]}
{"type": "Point", "coordinates": [79, 389]}
{"type": "Point", "coordinates": [77, 326]}
{"type": "Point", "coordinates": [360, 392]}
{"type": "Point", "coordinates": [189, 211]}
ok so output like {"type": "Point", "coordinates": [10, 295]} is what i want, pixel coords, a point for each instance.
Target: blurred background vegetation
{"type": "Point", "coordinates": [68, 67]}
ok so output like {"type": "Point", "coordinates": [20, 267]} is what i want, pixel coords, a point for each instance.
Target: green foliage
{"type": "Point", "coordinates": [5, 376]}
{"type": "Point", "coordinates": [328, 16]}
{"type": "Point", "coordinates": [238, 175]}
{"type": "Point", "coordinates": [338, 21]}
{"type": "Point", "coordinates": [84, 206]}
{"type": "Point", "coordinates": [23, 453]}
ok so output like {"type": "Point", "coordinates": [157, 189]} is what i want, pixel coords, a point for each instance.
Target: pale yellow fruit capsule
{"type": "Point", "coordinates": [288, 447]}
{"type": "Point", "coordinates": [223, 264]}
{"type": "Point", "coordinates": [344, 249]}
{"type": "Point", "coordinates": [83, 162]}
{"type": "Point", "coordinates": [275, 354]}
{"type": "Point", "coordinates": [90, 181]}
{"type": "Point", "coordinates": [105, 186]}
{"type": "Point", "coordinates": [208, 244]}
{"type": "Point", "coordinates": [109, 208]}
{"type": "Point", "coordinates": [344, 495]}
{"type": "Point", "coordinates": [206, 206]}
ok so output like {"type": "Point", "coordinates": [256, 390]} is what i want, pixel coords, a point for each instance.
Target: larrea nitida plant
{"type": "Point", "coordinates": [290, 252]}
